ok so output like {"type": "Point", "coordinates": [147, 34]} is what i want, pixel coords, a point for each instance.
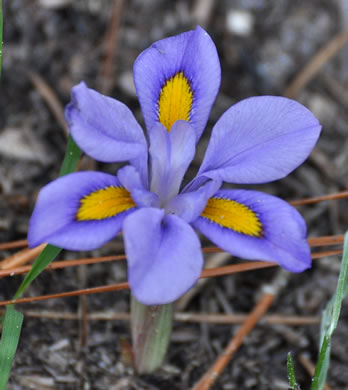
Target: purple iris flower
{"type": "Point", "coordinates": [257, 140]}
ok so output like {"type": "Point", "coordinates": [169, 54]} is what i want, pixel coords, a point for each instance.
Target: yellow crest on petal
{"type": "Point", "coordinates": [233, 215]}
{"type": "Point", "coordinates": [104, 203]}
{"type": "Point", "coordinates": [175, 101]}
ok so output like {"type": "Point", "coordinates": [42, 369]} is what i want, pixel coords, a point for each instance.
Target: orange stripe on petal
{"type": "Point", "coordinates": [175, 101]}
{"type": "Point", "coordinates": [233, 215]}
{"type": "Point", "coordinates": [104, 203]}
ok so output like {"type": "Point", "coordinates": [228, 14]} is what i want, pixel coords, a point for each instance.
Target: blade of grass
{"type": "Point", "coordinates": [9, 341]}
{"type": "Point", "coordinates": [291, 373]}
{"type": "Point", "coordinates": [13, 319]}
{"type": "Point", "coordinates": [329, 322]}
{"type": "Point", "coordinates": [71, 159]}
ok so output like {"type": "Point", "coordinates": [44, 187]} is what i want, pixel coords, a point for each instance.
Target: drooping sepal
{"type": "Point", "coordinates": [256, 226]}
{"type": "Point", "coordinates": [80, 211]}
{"type": "Point", "coordinates": [164, 256]}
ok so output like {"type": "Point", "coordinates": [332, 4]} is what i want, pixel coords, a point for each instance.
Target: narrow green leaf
{"type": "Point", "coordinates": [13, 319]}
{"type": "Point", "coordinates": [291, 373]}
{"type": "Point", "coordinates": [69, 165]}
{"type": "Point", "coordinates": [329, 321]}
{"type": "Point", "coordinates": [42, 261]}
{"type": "Point", "coordinates": [9, 341]}
{"type": "Point", "coordinates": [319, 369]}
{"type": "Point", "coordinates": [71, 158]}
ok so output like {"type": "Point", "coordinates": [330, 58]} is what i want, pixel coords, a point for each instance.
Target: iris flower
{"type": "Point", "coordinates": [257, 140]}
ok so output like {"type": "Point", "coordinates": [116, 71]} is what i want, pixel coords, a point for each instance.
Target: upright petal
{"type": "Point", "coordinates": [254, 225]}
{"type": "Point", "coordinates": [80, 211]}
{"type": "Point", "coordinates": [171, 154]}
{"type": "Point", "coordinates": [105, 128]}
{"type": "Point", "coordinates": [178, 78]}
{"type": "Point", "coordinates": [164, 256]}
{"type": "Point", "coordinates": [260, 139]}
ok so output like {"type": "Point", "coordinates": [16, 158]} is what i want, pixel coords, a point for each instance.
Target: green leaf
{"type": "Point", "coordinates": [42, 261]}
{"type": "Point", "coordinates": [329, 321]}
{"type": "Point", "coordinates": [13, 319]}
{"type": "Point", "coordinates": [71, 158]}
{"type": "Point", "coordinates": [291, 373]}
{"type": "Point", "coordinates": [9, 341]}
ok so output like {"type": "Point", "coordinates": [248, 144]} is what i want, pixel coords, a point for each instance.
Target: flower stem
{"type": "Point", "coordinates": [151, 331]}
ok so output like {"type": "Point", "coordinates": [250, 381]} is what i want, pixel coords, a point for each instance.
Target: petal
{"type": "Point", "coordinates": [189, 205]}
{"type": "Point", "coordinates": [171, 154]}
{"type": "Point", "coordinates": [254, 225]}
{"type": "Point", "coordinates": [178, 78]}
{"type": "Point", "coordinates": [130, 179]}
{"type": "Point", "coordinates": [164, 256]}
{"type": "Point", "coordinates": [104, 128]}
{"type": "Point", "coordinates": [80, 211]}
{"type": "Point", "coordinates": [260, 139]}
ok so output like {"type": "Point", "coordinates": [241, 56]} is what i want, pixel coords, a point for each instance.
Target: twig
{"type": "Point", "coordinates": [269, 292]}
{"type": "Point", "coordinates": [106, 77]}
{"type": "Point", "coordinates": [316, 63]}
{"type": "Point", "coordinates": [51, 99]}
{"type": "Point", "coordinates": [317, 199]}
{"type": "Point", "coordinates": [187, 317]}
{"type": "Point", "coordinates": [248, 324]}
{"type": "Point", "coordinates": [21, 257]}
{"type": "Point", "coordinates": [219, 271]}
{"type": "Point", "coordinates": [13, 244]}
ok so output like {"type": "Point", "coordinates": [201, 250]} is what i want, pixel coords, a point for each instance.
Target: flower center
{"type": "Point", "coordinates": [175, 101]}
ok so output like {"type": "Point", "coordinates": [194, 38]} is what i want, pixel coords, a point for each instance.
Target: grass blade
{"type": "Point", "coordinates": [329, 321]}
{"type": "Point", "coordinates": [9, 341]}
{"type": "Point", "coordinates": [71, 158]}
{"type": "Point", "coordinates": [13, 319]}
{"type": "Point", "coordinates": [291, 373]}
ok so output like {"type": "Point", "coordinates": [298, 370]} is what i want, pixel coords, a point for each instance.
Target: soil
{"type": "Point", "coordinates": [262, 46]}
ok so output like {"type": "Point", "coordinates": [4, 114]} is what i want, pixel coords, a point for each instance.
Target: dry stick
{"type": "Point", "coordinates": [270, 291]}
{"type": "Point", "coordinates": [219, 271]}
{"type": "Point", "coordinates": [50, 97]}
{"type": "Point", "coordinates": [326, 240]}
{"type": "Point", "coordinates": [248, 324]}
{"type": "Point", "coordinates": [187, 317]}
{"type": "Point", "coordinates": [106, 77]}
{"type": "Point", "coordinates": [317, 62]}
{"type": "Point", "coordinates": [316, 241]}
{"type": "Point", "coordinates": [21, 257]}
{"type": "Point", "coordinates": [317, 199]}
{"type": "Point", "coordinates": [13, 244]}
{"type": "Point", "coordinates": [310, 367]}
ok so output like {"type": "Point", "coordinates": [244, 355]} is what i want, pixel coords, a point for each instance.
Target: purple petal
{"type": "Point", "coordinates": [189, 205]}
{"type": "Point", "coordinates": [164, 256]}
{"type": "Point", "coordinates": [104, 128]}
{"type": "Point", "coordinates": [130, 179]}
{"type": "Point", "coordinates": [194, 54]}
{"type": "Point", "coordinates": [260, 139]}
{"type": "Point", "coordinates": [171, 154]}
{"type": "Point", "coordinates": [55, 221]}
{"type": "Point", "coordinates": [280, 236]}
